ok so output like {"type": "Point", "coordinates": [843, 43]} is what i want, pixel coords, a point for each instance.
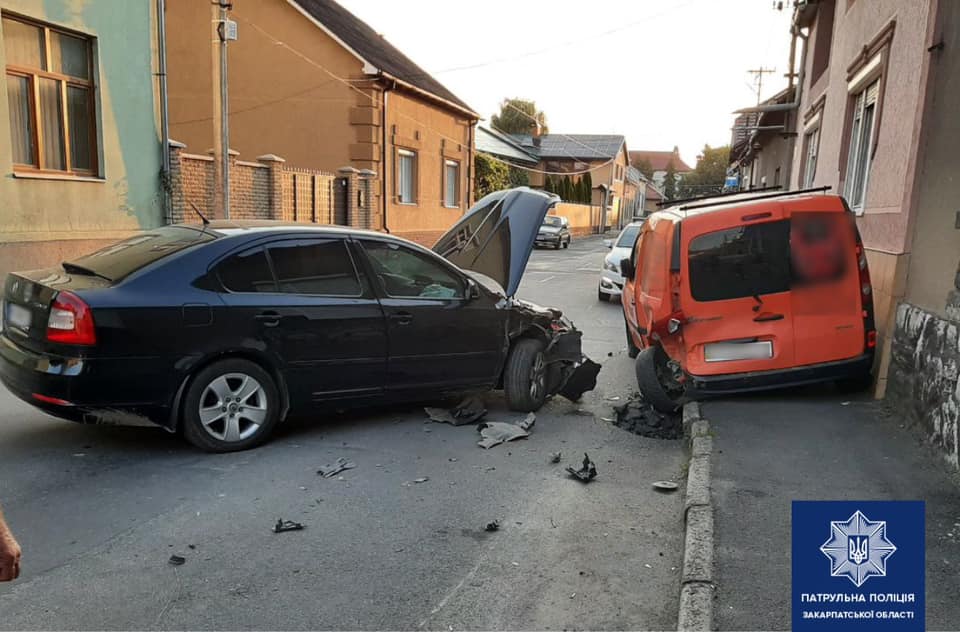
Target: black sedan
{"type": "Point", "coordinates": [219, 331]}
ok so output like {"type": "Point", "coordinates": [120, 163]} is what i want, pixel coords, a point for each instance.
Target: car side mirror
{"type": "Point", "coordinates": [626, 268]}
{"type": "Point", "coordinates": [608, 243]}
{"type": "Point", "coordinates": [473, 290]}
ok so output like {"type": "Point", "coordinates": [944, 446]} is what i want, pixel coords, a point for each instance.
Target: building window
{"type": "Point", "coordinates": [861, 146]}
{"type": "Point", "coordinates": [407, 176]}
{"type": "Point", "coordinates": [50, 94]}
{"type": "Point", "coordinates": [451, 183]}
{"type": "Point", "coordinates": [811, 142]}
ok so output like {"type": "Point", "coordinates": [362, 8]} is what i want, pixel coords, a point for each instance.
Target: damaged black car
{"type": "Point", "coordinates": [219, 331]}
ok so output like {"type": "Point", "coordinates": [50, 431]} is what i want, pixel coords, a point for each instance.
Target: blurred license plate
{"type": "Point", "coordinates": [18, 316]}
{"type": "Point", "coordinates": [728, 351]}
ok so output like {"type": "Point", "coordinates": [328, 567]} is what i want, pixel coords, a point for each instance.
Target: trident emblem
{"type": "Point", "coordinates": [858, 552]}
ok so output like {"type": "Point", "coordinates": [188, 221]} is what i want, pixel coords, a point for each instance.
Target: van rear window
{"type": "Point", "coordinates": [740, 262]}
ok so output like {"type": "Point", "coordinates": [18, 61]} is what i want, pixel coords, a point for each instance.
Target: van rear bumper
{"type": "Point", "coordinates": [705, 385]}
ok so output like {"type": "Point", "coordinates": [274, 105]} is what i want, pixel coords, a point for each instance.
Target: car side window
{"type": "Point", "coordinates": [408, 274]}
{"type": "Point", "coordinates": [320, 267]}
{"type": "Point", "coordinates": [247, 271]}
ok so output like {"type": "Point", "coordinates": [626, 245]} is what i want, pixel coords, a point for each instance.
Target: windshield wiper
{"type": "Point", "coordinates": [75, 268]}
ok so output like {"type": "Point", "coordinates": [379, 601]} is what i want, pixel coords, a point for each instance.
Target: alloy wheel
{"type": "Point", "coordinates": [538, 376]}
{"type": "Point", "coordinates": [233, 407]}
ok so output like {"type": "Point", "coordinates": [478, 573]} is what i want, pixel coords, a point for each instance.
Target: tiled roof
{"type": "Point", "coordinates": [659, 160]}
{"type": "Point", "coordinates": [578, 146]}
{"type": "Point", "coordinates": [373, 48]}
{"type": "Point", "coordinates": [493, 142]}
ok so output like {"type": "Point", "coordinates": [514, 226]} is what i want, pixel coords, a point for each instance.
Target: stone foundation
{"type": "Point", "coordinates": [924, 379]}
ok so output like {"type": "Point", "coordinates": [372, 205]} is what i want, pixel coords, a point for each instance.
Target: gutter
{"type": "Point", "coordinates": [782, 107]}
{"type": "Point", "coordinates": [164, 112]}
{"type": "Point", "coordinates": [429, 95]}
{"type": "Point", "coordinates": [383, 159]}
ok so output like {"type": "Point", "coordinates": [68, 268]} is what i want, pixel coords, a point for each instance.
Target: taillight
{"type": "Point", "coordinates": [866, 294]}
{"type": "Point", "coordinates": [70, 321]}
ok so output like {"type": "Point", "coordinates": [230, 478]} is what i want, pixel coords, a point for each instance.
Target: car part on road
{"type": "Point", "coordinates": [665, 487]}
{"type": "Point", "coordinates": [331, 470]}
{"type": "Point", "coordinates": [583, 379]}
{"type": "Point", "coordinates": [287, 525]}
{"type": "Point", "coordinates": [492, 526]}
{"type": "Point", "coordinates": [177, 560]}
{"type": "Point", "coordinates": [587, 471]}
{"type": "Point", "coordinates": [496, 432]}
{"type": "Point", "coordinates": [230, 405]}
{"type": "Point", "coordinates": [555, 457]}
{"type": "Point", "coordinates": [656, 381]}
{"type": "Point", "coordinates": [470, 410]}
{"type": "Point", "coordinates": [422, 479]}
{"type": "Point", "coordinates": [638, 416]}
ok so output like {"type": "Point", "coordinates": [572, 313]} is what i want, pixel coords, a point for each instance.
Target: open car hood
{"type": "Point", "coordinates": [496, 235]}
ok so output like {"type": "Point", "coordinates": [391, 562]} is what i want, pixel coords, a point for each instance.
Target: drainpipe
{"type": "Point", "coordinates": [164, 113]}
{"type": "Point", "coordinates": [383, 158]}
{"type": "Point", "coordinates": [780, 107]}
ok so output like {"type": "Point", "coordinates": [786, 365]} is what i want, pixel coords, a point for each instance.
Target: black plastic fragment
{"type": "Point", "coordinates": [287, 525]}
{"type": "Point", "coordinates": [587, 472]}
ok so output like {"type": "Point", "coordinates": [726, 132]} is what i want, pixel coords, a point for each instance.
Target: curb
{"type": "Point", "coordinates": [696, 579]}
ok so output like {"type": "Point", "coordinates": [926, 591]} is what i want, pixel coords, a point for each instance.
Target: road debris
{"type": "Point", "coordinates": [177, 560]}
{"type": "Point", "coordinates": [555, 457]}
{"type": "Point", "coordinates": [583, 379]}
{"type": "Point", "coordinates": [587, 472]}
{"type": "Point", "coordinates": [665, 486]}
{"type": "Point", "coordinates": [422, 479]}
{"type": "Point", "coordinates": [470, 410]}
{"type": "Point", "coordinates": [496, 432]}
{"type": "Point", "coordinates": [639, 417]}
{"type": "Point", "coordinates": [492, 526]}
{"type": "Point", "coordinates": [287, 525]}
{"type": "Point", "coordinates": [331, 470]}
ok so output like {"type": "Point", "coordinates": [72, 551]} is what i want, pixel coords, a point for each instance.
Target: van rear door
{"type": "Point", "coordinates": [737, 303]}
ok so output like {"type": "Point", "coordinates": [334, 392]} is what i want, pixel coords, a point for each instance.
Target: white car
{"type": "Point", "coordinates": [611, 281]}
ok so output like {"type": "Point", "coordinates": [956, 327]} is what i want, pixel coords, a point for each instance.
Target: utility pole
{"type": "Point", "coordinates": [759, 72]}
{"type": "Point", "coordinates": [223, 31]}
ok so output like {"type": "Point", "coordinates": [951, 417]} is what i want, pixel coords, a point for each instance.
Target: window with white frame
{"type": "Point", "coordinates": [50, 97]}
{"type": "Point", "coordinates": [861, 146]}
{"type": "Point", "coordinates": [812, 144]}
{"type": "Point", "coordinates": [451, 183]}
{"type": "Point", "coordinates": [407, 176]}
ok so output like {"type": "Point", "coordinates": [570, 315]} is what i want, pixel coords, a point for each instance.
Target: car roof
{"type": "Point", "coordinates": [229, 227]}
{"type": "Point", "coordinates": [741, 202]}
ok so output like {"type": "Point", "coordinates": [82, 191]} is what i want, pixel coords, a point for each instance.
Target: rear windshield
{"type": "Point", "coordinates": [127, 256]}
{"type": "Point", "coordinates": [810, 248]}
{"type": "Point", "coordinates": [628, 237]}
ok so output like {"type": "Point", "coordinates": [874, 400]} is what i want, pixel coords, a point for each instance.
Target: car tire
{"type": "Point", "coordinates": [603, 298]}
{"type": "Point", "coordinates": [231, 405]}
{"type": "Point", "coordinates": [566, 244]}
{"type": "Point", "coordinates": [649, 366]}
{"type": "Point", "coordinates": [556, 246]}
{"type": "Point", "coordinates": [632, 349]}
{"type": "Point", "coordinates": [525, 376]}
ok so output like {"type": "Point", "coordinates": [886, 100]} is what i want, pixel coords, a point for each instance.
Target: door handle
{"type": "Point", "coordinates": [767, 317]}
{"type": "Point", "coordinates": [402, 318]}
{"type": "Point", "coordinates": [269, 319]}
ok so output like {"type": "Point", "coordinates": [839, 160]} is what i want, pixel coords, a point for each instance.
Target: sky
{"type": "Point", "coordinates": [660, 72]}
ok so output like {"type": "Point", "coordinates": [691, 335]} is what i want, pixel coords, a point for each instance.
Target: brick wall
{"type": "Point", "coordinates": [269, 189]}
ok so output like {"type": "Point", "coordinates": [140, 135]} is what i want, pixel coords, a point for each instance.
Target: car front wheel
{"type": "Point", "coordinates": [231, 405]}
{"type": "Point", "coordinates": [657, 386]}
{"type": "Point", "coordinates": [525, 376]}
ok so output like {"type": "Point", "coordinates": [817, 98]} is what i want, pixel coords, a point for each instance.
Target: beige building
{"type": "Point", "coordinates": [311, 83]}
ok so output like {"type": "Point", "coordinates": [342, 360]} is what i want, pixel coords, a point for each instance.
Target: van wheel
{"type": "Point", "coordinates": [632, 349]}
{"type": "Point", "coordinates": [653, 378]}
{"type": "Point", "coordinates": [525, 376]}
{"type": "Point", "coordinates": [231, 405]}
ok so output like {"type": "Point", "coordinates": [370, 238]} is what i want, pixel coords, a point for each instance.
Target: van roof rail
{"type": "Point", "coordinates": [710, 197]}
{"type": "Point", "coordinates": [757, 197]}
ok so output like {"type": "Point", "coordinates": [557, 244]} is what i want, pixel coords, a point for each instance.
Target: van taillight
{"type": "Point", "coordinates": [70, 321]}
{"type": "Point", "coordinates": [866, 292]}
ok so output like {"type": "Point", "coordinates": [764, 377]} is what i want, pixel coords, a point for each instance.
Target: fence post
{"type": "Point", "coordinates": [275, 163]}
{"type": "Point", "coordinates": [367, 198]}
{"type": "Point", "coordinates": [347, 194]}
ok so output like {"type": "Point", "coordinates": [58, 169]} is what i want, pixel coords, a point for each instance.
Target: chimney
{"type": "Point", "coordinates": [535, 129]}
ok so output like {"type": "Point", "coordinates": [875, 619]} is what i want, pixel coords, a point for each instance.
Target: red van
{"type": "Point", "coordinates": [748, 292]}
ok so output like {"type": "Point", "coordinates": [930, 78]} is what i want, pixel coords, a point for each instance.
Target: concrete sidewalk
{"type": "Point", "coordinates": [814, 444]}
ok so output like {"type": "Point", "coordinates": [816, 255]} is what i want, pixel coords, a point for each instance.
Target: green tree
{"type": "Point", "coordinates": [670, 182]}
{"type": "Point", "coordinates": [578, 194]}
{"type": "Point", "coordinates": [519, 116]}
{"type": "Point", "coordinates": [567, 189]}
{"type": "Point", "coordinates": [588, 187]}
{"type": "Point", "coordinates": [645, 168]}
{"type": "Point", "coordinates": [518, 177]}
{"type": "Point", "coordinates": [491, 175]}
{"type": "Point", "coordinates": [548, 184]}
{"type": "Point", "coordinates": [709, 175]}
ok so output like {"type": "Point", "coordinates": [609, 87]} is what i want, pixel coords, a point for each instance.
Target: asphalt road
{"type": "Point", "coordinates": [99, 510]}
{"type": "Point", "coordinates": [816, 444]}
